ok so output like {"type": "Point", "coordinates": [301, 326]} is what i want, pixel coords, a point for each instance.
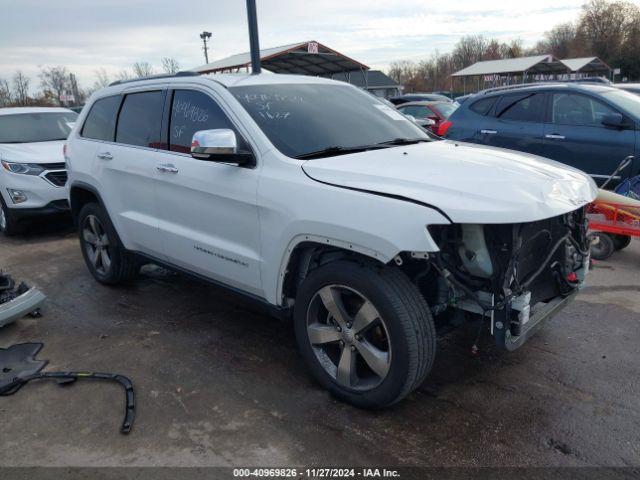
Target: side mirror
{"type": "Point", "coordinates": [613, 120]}
{"type": "Point", "coordinates": [219, 145]}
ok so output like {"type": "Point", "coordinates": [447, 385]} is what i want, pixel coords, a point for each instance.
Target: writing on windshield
{"type": "Point", "coordinates": [300, 119]}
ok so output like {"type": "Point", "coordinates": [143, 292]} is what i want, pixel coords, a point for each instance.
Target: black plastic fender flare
{"type": "Point", "coordinates": [68, 377]}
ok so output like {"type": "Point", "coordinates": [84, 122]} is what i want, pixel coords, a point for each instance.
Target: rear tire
{"type": "Point", "coordinates": [8, 224]}
{"type": "Point", "coordinates": [604, 248]}
{"type": "Point", "coordinates": [386, 344]}
{"type": "Point", "coordinates": [106, 258]}
{"type": "Point", "coordinates": [621, 241]}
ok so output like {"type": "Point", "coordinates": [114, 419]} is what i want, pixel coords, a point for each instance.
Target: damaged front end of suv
{"type": "Point", "coordinates": [512, 276]}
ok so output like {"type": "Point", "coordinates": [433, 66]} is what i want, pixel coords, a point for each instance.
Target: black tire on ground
{"type": "Point", "coordinates": [122, 266]}
{"type": "Point", "coordinates": [604, 247]}
{"type": "Point", "coordinates": [621, 242]}
{"type": "Point", "coordinates": [406, 317]}
{"type": "Point", "coordinates": [8, 224]}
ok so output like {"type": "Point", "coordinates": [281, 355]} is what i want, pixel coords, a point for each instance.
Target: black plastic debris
{"type": "Point", "coordinates": [18, 366]}
{"type": "Point", "coordinates": [18, 361]}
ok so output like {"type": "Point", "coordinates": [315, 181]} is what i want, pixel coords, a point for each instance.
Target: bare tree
{"type": "Point", "coordinates": [513, 49]}
{"type": "Point", "coordinates": [630, 57]}
{"type": "Point", "coordinates": [402, 71]}
{"type": "Point", "coordinates": [123, 75]}
{"type": "Point", "coordinates": [55, 80]}
{"type": "Point", "coordinates": [21, 88]}
{"type": "Point", "coordinates": [603, 26]}
{"type": "Point", "coordinates": [170, 65]}
{"type": "Point", "coordinates": [5, 93]}
{"type": "Point", "coordinates": [102, 79]}
{"type": "Point", "coordinates": [494, 50]}
{"type": "Point", "coordinates": [142, 69]}
{"type": "Point", "coordinates": [470, 49]}
{"type": "Point", "coordinates": [559, 41]}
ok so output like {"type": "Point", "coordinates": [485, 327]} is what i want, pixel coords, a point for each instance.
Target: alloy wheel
{"type": "Point", "coordinates": [349, 337]}
{"type": "Point", "coordinates": [97, 244]}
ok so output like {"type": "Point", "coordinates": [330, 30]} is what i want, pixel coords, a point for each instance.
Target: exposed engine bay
{"type": "Point", "coordinates": [513, 276]}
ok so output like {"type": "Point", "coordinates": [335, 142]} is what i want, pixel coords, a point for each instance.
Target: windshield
{"type": "Point", "coordinates": [300, 119]}
{"type": "Point", "coordinates": [36, 127]}
{"type": "Point", "coordinates": [626, 101]}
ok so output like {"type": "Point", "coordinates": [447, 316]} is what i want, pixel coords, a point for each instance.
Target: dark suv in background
{"type": "Point", "coordinates": [590, 127]}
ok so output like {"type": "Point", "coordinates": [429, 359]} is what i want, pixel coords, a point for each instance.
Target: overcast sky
{"type": "Point", "coordinates": [88, 34]}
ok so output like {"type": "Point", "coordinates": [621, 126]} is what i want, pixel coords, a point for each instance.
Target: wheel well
{"type": "Point", "coordinates": [79, 197]}
{"type": "Point", "coordinates": [308, 256]}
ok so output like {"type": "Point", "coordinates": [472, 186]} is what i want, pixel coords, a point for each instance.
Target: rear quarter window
{"type": "Point", "coordinates": [483, 106]}
{"type": "Point", "coordinates": [101, 120]}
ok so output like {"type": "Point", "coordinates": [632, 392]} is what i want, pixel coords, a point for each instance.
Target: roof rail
{"type": "Point", "coordinates": [583, 81]}
{"type": "Point", "coordinates": [185, 73]}
{"type": "Point", "coordinates": [517, 86]}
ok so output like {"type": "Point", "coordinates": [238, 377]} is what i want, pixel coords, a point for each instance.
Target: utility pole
{"type": "Point", "coordinates": [205, 36]}
{"type": "Point", "coordinates": [252, 17]}
{"type": "Point", "coordinates": [74, 89]}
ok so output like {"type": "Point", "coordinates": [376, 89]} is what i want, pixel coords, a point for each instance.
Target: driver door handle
{"type": "Point", "coordinates": [553, 136]}
{"type": "Point", "coordinates": [105, 156]}
{"type": "Point", "coordinates": [167, 168]}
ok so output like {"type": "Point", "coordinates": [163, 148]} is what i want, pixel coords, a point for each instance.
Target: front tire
{"type": "Point", "coordinates": [604, 247]}
{"type": "Point", "coordinates": [106, 258]}
{"type": "Point", "coordinates": [365, 332]}
{"type": "Point", "coordinates": [621, 241]}
{"type": "Point", "coordinates": [8, 224]}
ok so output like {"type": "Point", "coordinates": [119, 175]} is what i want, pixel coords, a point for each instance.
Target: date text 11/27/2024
{"type": "Point", "coordinates": [316, 473]}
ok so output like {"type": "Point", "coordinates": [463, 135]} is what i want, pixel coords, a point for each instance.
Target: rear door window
{"type": "Point", "coordinates": [192, 111]}
{"type": "Point", "coordinates": [101, 121]}
{"type": "Point", "coordinates": [140, 119]}
{"type": "Point", "coordinates": [521, 108]}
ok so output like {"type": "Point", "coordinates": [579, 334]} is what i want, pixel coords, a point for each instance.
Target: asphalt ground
{"type": "Point", "coordinates": [219, 383]}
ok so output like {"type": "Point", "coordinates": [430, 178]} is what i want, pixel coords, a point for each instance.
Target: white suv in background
{"type": "Point", "coordinates": [322, 203]}
{"type": "Point", "coordinates": [32, 170]}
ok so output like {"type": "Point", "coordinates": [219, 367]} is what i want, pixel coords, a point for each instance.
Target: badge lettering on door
{"type": "Point", "coordinates": [221, 257]}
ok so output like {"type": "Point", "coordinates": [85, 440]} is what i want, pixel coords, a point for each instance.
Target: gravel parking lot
{"type": "Point", "coordinates": [220, 384]}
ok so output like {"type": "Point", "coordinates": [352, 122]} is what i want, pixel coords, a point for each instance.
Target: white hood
{"type": "Point", "coordinates": [470, 183]}
{"type": "Point", "coordinates": [36, 152]}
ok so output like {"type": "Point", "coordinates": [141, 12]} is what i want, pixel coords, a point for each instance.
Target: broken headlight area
{"type": "Point", "coordinates": [9, 290]}
{"type": "Point", "coordinates": [512, 276]}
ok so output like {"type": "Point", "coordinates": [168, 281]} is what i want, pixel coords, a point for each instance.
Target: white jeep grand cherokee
{"type": "Point", "coordinates": [320, 202]}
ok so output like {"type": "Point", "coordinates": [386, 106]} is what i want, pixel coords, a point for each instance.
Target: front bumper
{"type": "Point", "coordinates": [57, 207]}
{"type": "Point", "coordinates": [39, 191]}
{"type": "Point", "coordinates": [540, 315]}
{"type": "Point", "coordinates": [20, 306]}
